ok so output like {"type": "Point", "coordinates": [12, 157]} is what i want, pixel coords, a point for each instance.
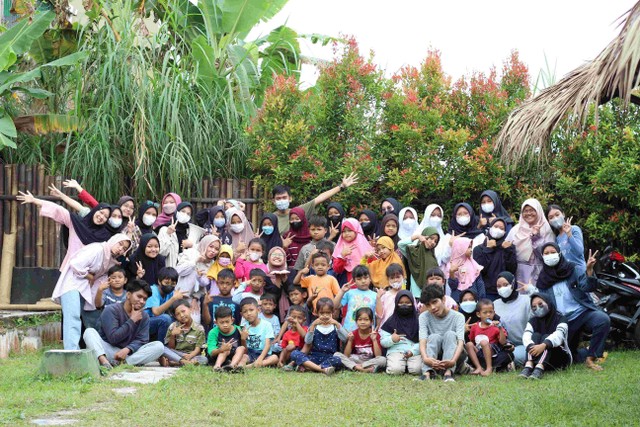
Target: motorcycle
{"type": "Point", "coordinates": [618, 294]}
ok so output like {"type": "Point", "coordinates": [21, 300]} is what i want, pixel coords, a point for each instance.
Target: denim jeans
{"type": "Point", "coordinates": [158, 326]}
{"type": "Point", "coordinates": [71, 323]}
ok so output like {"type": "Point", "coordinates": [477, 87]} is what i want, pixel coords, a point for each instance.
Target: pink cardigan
{"type": "Point", "coordinates": [62, 216]}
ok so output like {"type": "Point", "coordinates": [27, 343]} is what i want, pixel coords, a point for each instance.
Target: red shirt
{"type": "Point", "coordinates": [363, 347]}
{"type": "Point", "coordinates": [492, 333]}
{"type": "Point", "coordinates": [293, 336]}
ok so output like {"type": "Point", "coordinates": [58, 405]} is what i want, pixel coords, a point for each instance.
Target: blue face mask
{"type": "Point", "coordinates": [219, 222]}
{"type": "Point", "coordinates": [282, 205]}
{"type": "Point", "coordinates": [468, 306]}
{"type": "Point", "coordinates": [268, 230]}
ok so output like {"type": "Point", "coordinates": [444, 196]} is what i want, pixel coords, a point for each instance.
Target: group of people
{"type": "Point", "coordinates": [382, 291]}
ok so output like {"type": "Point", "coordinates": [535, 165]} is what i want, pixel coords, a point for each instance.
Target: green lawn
{"type": "Point", "coordinates": [197, 396]}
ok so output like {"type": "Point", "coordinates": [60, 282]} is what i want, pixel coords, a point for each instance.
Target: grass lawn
{"type": "Point", "coordinates": [196, 396]}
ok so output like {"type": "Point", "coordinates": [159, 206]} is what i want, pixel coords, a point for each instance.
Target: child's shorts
{"type": "Point", "coordinates": [253, 354]}
{"type": "Point", "coordinates": [212, 359]}
{"type": "Point", "coordinates": [276, 348]}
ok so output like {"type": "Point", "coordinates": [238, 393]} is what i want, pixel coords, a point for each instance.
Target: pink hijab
{"type": "Point", "coordinates": [163, 218]}
{"type": "Point", "coordinates": [360, 245]}
{"type": "Point", "coordinates": [245, 235]}
{"type": "Point", "coordinates": [522, 233]}
{"type": "Point", "coordinates": [107, 260]}
{"type": "Point", "coordinates": [467, 264]}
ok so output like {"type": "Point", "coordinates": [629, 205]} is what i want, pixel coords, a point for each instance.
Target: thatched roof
{"type": "Point", "coordinates": [612, 74]}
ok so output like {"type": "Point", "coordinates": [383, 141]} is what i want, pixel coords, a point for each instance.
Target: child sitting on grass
{"type": "Point", "coordinates": [292, 333]}
{"type": "Point", "coordinates": [486, 341]}
{"type": "Point", "coordinates": [224, 347]}
{"type": "Point", "coordinates": [363, 352]}
{"type": "Point", "coordinates": [258, 336]}
{"type": "Point", "coordinates": [321, 342]}
{"type": "Point", "coordinates": [184, 340]}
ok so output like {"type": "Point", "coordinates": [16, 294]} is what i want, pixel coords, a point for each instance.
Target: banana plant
{"type": "Point", "coordinates": [14, 43]}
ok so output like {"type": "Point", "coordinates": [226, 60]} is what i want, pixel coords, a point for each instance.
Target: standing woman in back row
{"type": "Point", "coordinates": [568, 237]}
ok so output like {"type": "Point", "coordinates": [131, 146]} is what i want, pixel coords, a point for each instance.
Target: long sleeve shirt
{"type": "Point", "coordinates": [117, 328]}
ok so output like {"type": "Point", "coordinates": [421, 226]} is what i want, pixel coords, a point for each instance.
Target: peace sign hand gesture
{"type": "Point", "coordinates": [286, 242]}
{"type": "Point", "coordinates": [591, 261]}
{"type": "Point", "coordinates": [333, 232]}
{"type": "Point", "coordinates": [140, 272]}
{"type": "Point", "coordinates": [566, 227]}
{"type": "Point", "coordinates": [454, 237]}
{"type": "Point", "coordinates": [172, 227]}
{"type": "Point", "coordinates": [524, 287]}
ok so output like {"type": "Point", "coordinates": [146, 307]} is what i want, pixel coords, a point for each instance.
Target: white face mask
{"type": "Point", "coordinates": [237, 228]}
{"type": "Point", "coordinates": [551, 259]}
{"type": "Point", "coordinates": [183, 217]}
{"type": "Point", "coordinates": [148, 220]}
{"type": "Point", "coordinates": [254, 256]}
{"type": "Point", "coordinates": [557, 222]}
{"type": "Point", "coordinates": [468, 306]}
{"type": "Point", "coordinates": [282, 205]}
{"type": "Point", "coordinates": [505, 291]}
{"type": "Point", "coordinates": [463, 220]}
{"type": "Point", "coordinates": [115, 222]}
{"type": "Point", "coordinates": [496, 232]}
{"type": "Point", "coordinates": [408, 223]}
{"type": "Point", "coordinates": [397, 285]}
{"type": "Point", "coordinates": [169, 208]}
{"type": "Point", "coordinates": [487, 207]}
{"type": "Point", "coordinates": [435, 221]}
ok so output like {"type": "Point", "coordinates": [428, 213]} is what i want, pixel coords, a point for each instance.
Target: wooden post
{"type": "Point", "coordinates": [39, 239]}
{"type": "Point", "coordinates": [9, 247]}
{"type": "Point", "coordinates": [2, 208]}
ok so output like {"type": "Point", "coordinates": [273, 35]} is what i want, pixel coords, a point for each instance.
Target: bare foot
{"type": "Point", "coordinates": [358, 368]}
{"type": "Point", "coordinates": [163, 361]}
{"type": "Point", "coordinates": [486, 372]}
{"type": "Point", "coordinates": [590, 362]}
{"type": "Point", "coordinates": [477, 371]}
{"type": "Point", "coordinates": [280, 364]}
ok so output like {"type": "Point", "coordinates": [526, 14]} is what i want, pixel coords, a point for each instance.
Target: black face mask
{"type": "Point", "coordinates": [335, 219]}
{"type": "Point", "coordinates": [405, 310]}
{"type": "Point", "coordinates": [366, 225]}
{"type": "Point", "coordinates": [167, 289]}
{"type": "Point", "coordinates": [296, 225]}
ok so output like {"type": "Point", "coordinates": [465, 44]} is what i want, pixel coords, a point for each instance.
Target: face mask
{"type": "Point", "coordinates": [463, 220]}
{"type": "Point", "coordinates": [468, 306]}
{"type": "Point", "coordinates": [409, 222]}
{"type": "Point", "coordinates": [115, 222]}
{"type": "Point", "coordinates": [237, 228]}
{"type": "Point", "coordinates": [551, 260]}
{"type": "Point", "coordinates": [167, 289]}
{"type": "Point", "coordinates": [254, 256]}
{"type": "Point", "coordinates": [396, 285]}
{"type": "Point", "coordinates": [183, 217]}
{"type": "Point", "coordinates": [335, 219]}
{"type": "Point", "coordinates": [487, 207]}
{"type": "Point", "coordinates": [540, 311]}
{"type": "Point", "coordinates": [224, 261]}
{"type": "Point", "coordinates": [268, 230]}
{"type": "Point", "coordinates": [404, 310]}
{"type": "Point", "coordinates": [557, 222]}
{"type": "Point", "coordinates": [496, 232]}
{"type": "Point", "coordinates": [148, 220]}
{"type": "Point", "coordinates": [219, 222]}
{"type": "Point", "coordinates": [282, 205]}
{"type": "Point", "coordinates": [296, 225]}
{"type": "Point", "coordinates": [169, 208]}
{"type": "Point", "coordinates": [365, 224]}
{"type": "Point", "coordinates": [505, 291]}
{"type": "Point", "coordinates": [435, 221]}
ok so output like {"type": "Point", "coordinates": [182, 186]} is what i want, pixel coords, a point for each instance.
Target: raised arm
{"type": "Point", "coordinates": [347, 182]}
{"type": "Point", "coordinates": [73, 204]}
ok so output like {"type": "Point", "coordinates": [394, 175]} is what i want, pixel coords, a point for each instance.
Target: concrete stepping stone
{"type": "Point", "coordinates": [66, 362]}
{"type": "Point", "coordinates": [145, 375]}
{"type": "Point", "coordinates": [125, 391]}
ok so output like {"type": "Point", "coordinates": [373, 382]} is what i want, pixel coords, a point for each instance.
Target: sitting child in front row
{"type": "Point", "coordinates": [292, 333]}
{"type": "Point", "coordinates": [363, 352]}
{"type": "Point", "coordinates": [185, 338]}
{"type": "Point", "coordinates": [486, 342]}
{"type": "Point", "coordinates": [224, 344]}
{"type": "Point", "coordinates": [321, 342]}
{"type": "Point", "coordinates": [258, 335]}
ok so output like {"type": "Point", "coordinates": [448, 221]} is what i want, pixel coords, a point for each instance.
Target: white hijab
{"type": "Point", "coordinates": [425, 220]}
{"type": "Point", "coordinates": [407, 230]}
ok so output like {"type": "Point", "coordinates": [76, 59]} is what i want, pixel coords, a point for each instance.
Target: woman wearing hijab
{"type": "Point", "coordinates": [419, 251]}
{"type": "Point", "coordinates": [490, 208]}
{"type": "Point", "coordinates": [87, 266]}
{"type": "Point", "coordinates": [179, 235]}
{"type": "Point", "coordinates": [464, 220]}
{"type": "Point", "coordinates": [495, 255]}
{"type": "Point", "coordinates": [568, 289]}
{"type": "Point", "coordinates": [399, 335]}
{"type": "Point", "coordinates": [433, 217]}
{"type": "Point", "coordinates": [280, 277]}
{"type": "Point", "coordinates": [214, 221]}
{"type": "Point", "coordinates": [147, 215]}
{"type": "Point", "coordinates": [546, 339]}
{"type": "Point", "coordinates": [390, 206]}
{"type": "Point", "coordinates": [351, 247]}
{"type": "Point", "coordinates": [297, 236]}
{"type": "Point", "coordinates": [270, 235]}
{"type": "Point", "coordinates": [385, 257]}
{"type": "Point", "coordinates": [528, 236]}
{"type": "Point", "coordinates": [463, 272]}
{"type": "Point", "coordinates": [147, 260]}
{"type": "Point", "coordinates": [513, 309]}
{"type": "Point", "coordinates": [82, 230]}
{"type": "Point", "coordinates": [168, 208]}
{"type": "Point", "coordinates": [408, 223]}
{"type": "Point", "coordinates": [370, 227]}
{"type": "Point", "coordinates": [240, 230]}
{"type": "Point", "coordinates": [335, 215]}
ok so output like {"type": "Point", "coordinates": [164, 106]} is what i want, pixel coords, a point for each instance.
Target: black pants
{"type": "Point", "coordinates": [552, 359]}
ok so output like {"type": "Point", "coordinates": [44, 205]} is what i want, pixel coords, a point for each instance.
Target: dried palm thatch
{"type": "Point", "coordinates": [614, 73]}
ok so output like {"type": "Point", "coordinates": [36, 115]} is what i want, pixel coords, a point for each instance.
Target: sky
{"type": "Point", "coordinates": [471, 35]}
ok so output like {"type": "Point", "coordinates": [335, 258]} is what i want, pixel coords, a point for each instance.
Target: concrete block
{"type": "Point", "coordinates": [30, 344]}
{"type": "Point", "coordinates": [66, 362]}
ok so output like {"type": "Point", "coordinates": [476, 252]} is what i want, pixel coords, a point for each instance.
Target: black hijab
{"type": "Point", "coordinates": [114, 230]}
{"type": "Point", "coordinates": [337, 206]}
{"type": "Point", "coordinates": [470, 229]}
{"type": "Point", "coordinates": [512, 280]}
{"type": "Point", "coordinates": [121, 201]}
{"type": "Point", "coordinates": [182, 230]}
{"type": "Point", "coordinates": [548, 324]}
{"type": "Point", "coordinates": [151, 266]}
{"type": "Point", "coordinates": [498, 209]}
{"type": "Point", "coordinates": [390, 217]}
{"type": "Point", "coordinates": [549, 276]}
{"type": "Point", "coordinates": [87, 230]}
{"type": "Point", "coordinates": [144, 229]}
{"type": "Point", "coordinates": [205, 219]}
{"type": "Point", "coordinates": [407, 325]}
{"type": "Point", "coordinates": [373, 228]}
{"type": "Point", "coordinates": [270, 241]}
{"type": "Point", "coordinates": [397, 206]}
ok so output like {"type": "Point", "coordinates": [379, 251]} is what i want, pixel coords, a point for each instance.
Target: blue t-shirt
{"type": "Point", "coordinates": [274, 320]}
{"type": "Point", "coordinates": [258, 336]}
{"type": "Point", "coordinates": [565, 302]}
{"type": "Point", "coordinates": [220, 301]}
{"type": "Point", "coordinates": [353, 299]}
{"type": "Point", "coordinates": [156, 299]}
{"type": "Point", "coordinates": [108, 297]}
